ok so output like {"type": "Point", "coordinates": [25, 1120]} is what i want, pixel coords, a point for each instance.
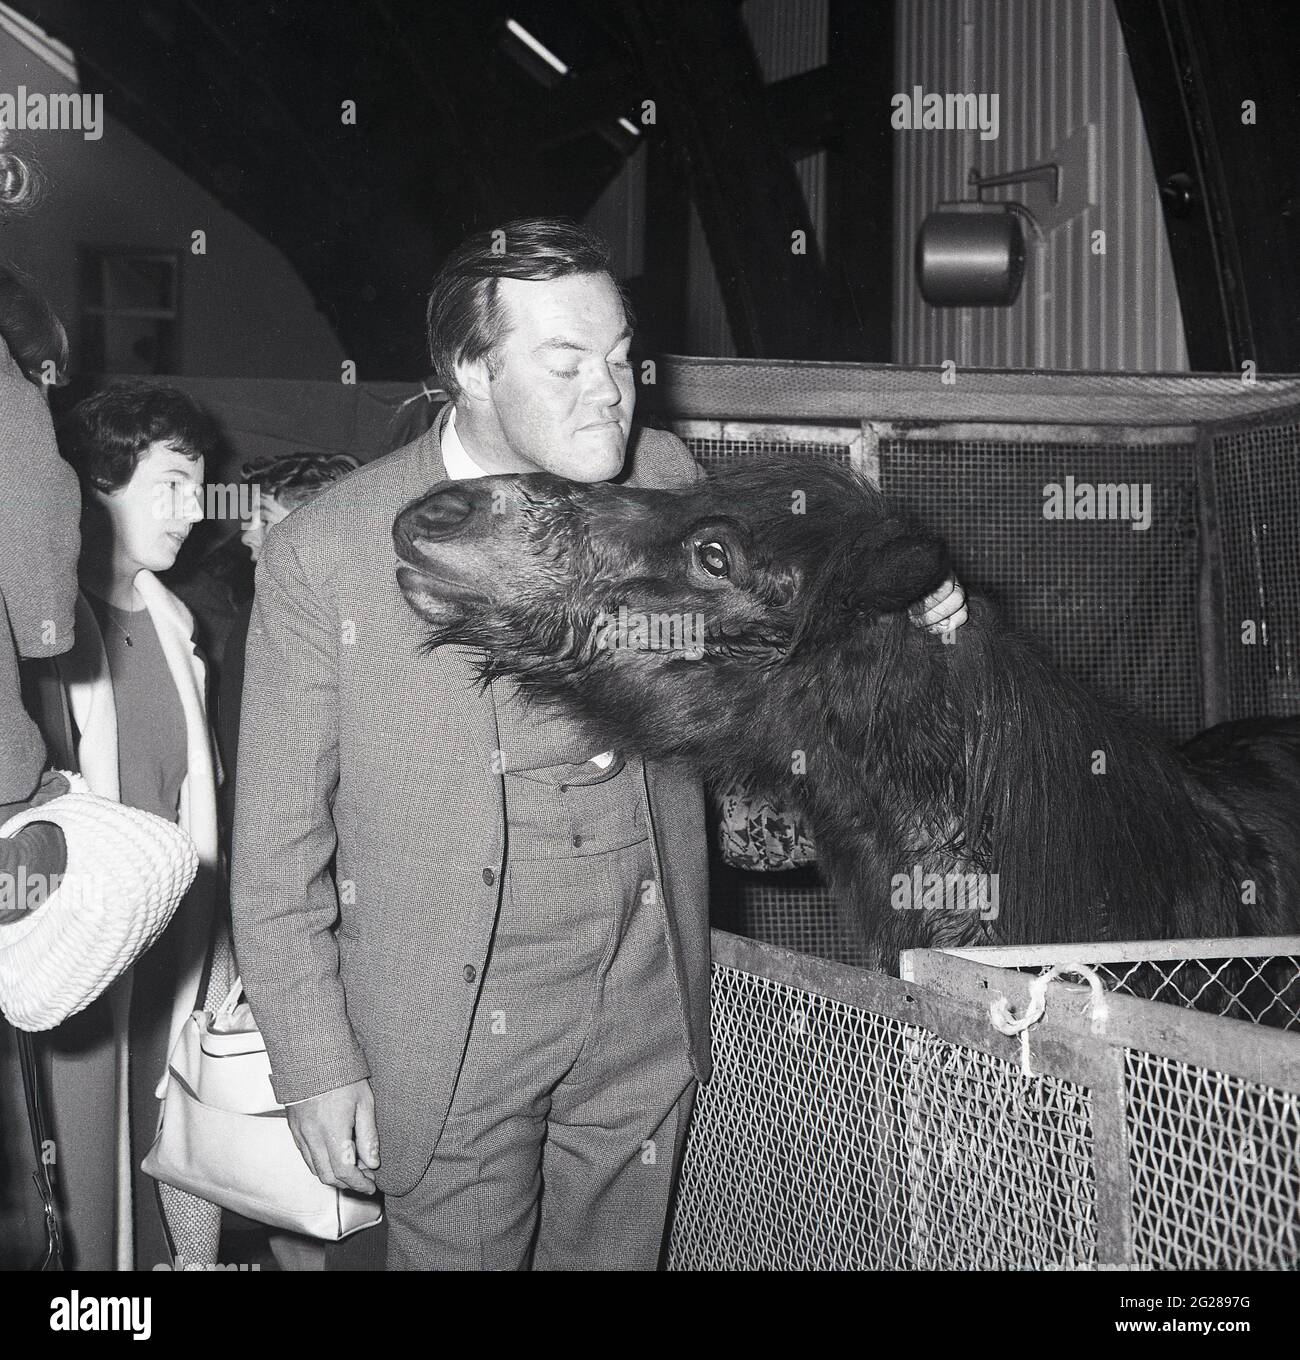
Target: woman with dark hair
{"type": "Point", "coordinates": [136, 685]}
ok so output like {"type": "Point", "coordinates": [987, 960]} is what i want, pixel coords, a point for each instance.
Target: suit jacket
{"type": "Point", "coordinates": [355, 747]}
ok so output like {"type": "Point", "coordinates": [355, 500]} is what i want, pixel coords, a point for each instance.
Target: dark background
{"type": "Point", "coordinates": [464, 127]}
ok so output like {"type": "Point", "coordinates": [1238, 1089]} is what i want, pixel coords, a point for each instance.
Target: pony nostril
{"type": "Point", "coordinates": [441, 514]}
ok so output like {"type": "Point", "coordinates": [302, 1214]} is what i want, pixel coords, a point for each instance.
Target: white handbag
{"type": "Point", "coordinates": [225, 1138]}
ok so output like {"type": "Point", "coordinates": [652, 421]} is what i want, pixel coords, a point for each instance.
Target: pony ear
{"type": "Point", "coordinates": [901, 571]}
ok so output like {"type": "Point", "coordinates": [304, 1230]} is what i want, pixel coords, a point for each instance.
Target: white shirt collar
{"type": "Point", "coordinates": [458, 463]}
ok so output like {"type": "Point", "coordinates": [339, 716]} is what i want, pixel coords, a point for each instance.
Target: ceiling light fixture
{"type": "Point", "coordinates": [536, 46]}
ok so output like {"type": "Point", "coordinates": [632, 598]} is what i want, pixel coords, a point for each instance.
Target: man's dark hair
{"type": "Point", "coordinates": [104, 435]}
{"type": "Point", "coordinates": [465, 319]}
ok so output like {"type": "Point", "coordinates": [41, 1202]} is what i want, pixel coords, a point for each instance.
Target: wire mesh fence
{"type": "Point", "coordinates": [856, 1121]}
{"type": "Point", "coordinates": [795, 1160]}
{"type": "Point", "coordinates": [1257, 481]}
{"type": "Point", "coordinates": [1214, 1162]}
{"type": "Point", "coordinates": [1261, 991]}
{"type": "Point", "coordinates": [1257, 980]}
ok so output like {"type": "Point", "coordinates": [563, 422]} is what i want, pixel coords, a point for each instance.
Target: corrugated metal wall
{"type": "Point", "coordinates": [1056, 67]}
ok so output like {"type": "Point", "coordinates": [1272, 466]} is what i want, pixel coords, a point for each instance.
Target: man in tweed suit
{"type": "Point", "coordinates": [453, 1024]}
{"type": "Point", "coordinates": [494, 1004]}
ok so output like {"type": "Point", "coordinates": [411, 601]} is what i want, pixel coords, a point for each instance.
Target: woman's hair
{"type": "Point", "coordinates": [104, 436]}
{"type": "Point", "coordinates": [34, 334]}
{"type": "Point", "coordinates": [295, 478]}
{"type": "Point", "coordinates": [464, 317]}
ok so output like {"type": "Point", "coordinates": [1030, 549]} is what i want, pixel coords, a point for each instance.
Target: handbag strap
{"type": "Point", "coordinates": [53, 1258]}
{"type": "Point", "coordinates": [46, 700]}
{"type": "Point", "coordinates": [227, 1007]}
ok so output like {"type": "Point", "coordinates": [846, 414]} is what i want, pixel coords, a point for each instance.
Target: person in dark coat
{"type": "Point", "coordinates": [40, 509]}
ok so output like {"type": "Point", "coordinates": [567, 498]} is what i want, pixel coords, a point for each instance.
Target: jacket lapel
{"type": "Point", "coordinates": [430, 470]}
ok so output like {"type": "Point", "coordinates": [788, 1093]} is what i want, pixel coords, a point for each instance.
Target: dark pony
{"type": "Point", "coordinates": [961, 789]}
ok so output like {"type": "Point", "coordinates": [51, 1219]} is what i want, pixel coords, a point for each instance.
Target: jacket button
{"type": "Point", "coordinates": [489, 877]}
{"type": "Point", "coordinates": [577, 842]}
{"type": "Point", "coordinates": [564, 788]}
{"type": "Point", "coordinates": [470, 972]}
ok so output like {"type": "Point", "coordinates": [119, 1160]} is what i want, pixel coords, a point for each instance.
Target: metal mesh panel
{"type": "Point", "coordinates": [1262, 991]}
{"type": "Point", "coordinates": [831, 1137]}
{"type": "Point", "coordinates": [793, 909]}
{"type": "Point", "coordinates": [1256, 980]}
{"type": "Point", "coordinates": [1000, 1167]}
{"type": "Point", "coordinates": [1216, 1168]}
{"type": "Point", "coordinates": [1257, 477]}
{"type": "Point", "coordinates": [855, 1122]}
{"type": "Point", "coordinates": [794, 1161]}
{"type": "Point", "coordinates": [1115, 607]}
{"type": "Point", "coordinates": [717, 453]}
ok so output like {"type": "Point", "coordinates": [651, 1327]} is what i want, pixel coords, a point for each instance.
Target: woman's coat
{"type": "Point", "coordinates": [84, 670]}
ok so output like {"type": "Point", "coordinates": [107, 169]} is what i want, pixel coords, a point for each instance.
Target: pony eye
{"type": "Point", "coordinates": [713, 558]}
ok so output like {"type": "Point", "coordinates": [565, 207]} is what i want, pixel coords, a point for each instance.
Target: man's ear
{"type": "Point", "coordinates": [901, 571]}
{"type": "Point", "coordinates": [474, 377]}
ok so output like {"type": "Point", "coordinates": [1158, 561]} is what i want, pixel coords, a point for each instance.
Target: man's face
{"type": "Point", "coordinates": [563, 394]}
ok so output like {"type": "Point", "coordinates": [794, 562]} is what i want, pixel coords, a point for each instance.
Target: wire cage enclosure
{"type": "Point", "coordinates": [861, 1121]}
{"type": "Point", "coordinates": [858, 1121]}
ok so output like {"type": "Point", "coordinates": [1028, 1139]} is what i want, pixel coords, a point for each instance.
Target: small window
{"type": "Point", "coordinates": [128, 302]}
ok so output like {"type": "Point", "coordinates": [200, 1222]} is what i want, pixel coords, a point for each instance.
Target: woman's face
{"type": "Point", "coordinates": [152, 515]}
{"type": "Point", "coordinates": [267, 510]}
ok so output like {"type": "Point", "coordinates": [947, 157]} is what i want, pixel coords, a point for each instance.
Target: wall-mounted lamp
{"type": "Point", "coordinates": [972, 253]}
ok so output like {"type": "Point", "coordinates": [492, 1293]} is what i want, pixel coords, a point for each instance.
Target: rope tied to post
{"type": "Point", "coordinates": [1005, 1020]}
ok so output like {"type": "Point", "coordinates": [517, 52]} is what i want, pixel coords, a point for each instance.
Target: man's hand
{"type": "Point", "coordinates": [336, 1135]}
{"type": "Point", "coordinates": [942, 611]}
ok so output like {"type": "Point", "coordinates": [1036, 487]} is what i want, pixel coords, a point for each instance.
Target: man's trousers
{"type": "Point", "coordinates": [571, 1109]}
